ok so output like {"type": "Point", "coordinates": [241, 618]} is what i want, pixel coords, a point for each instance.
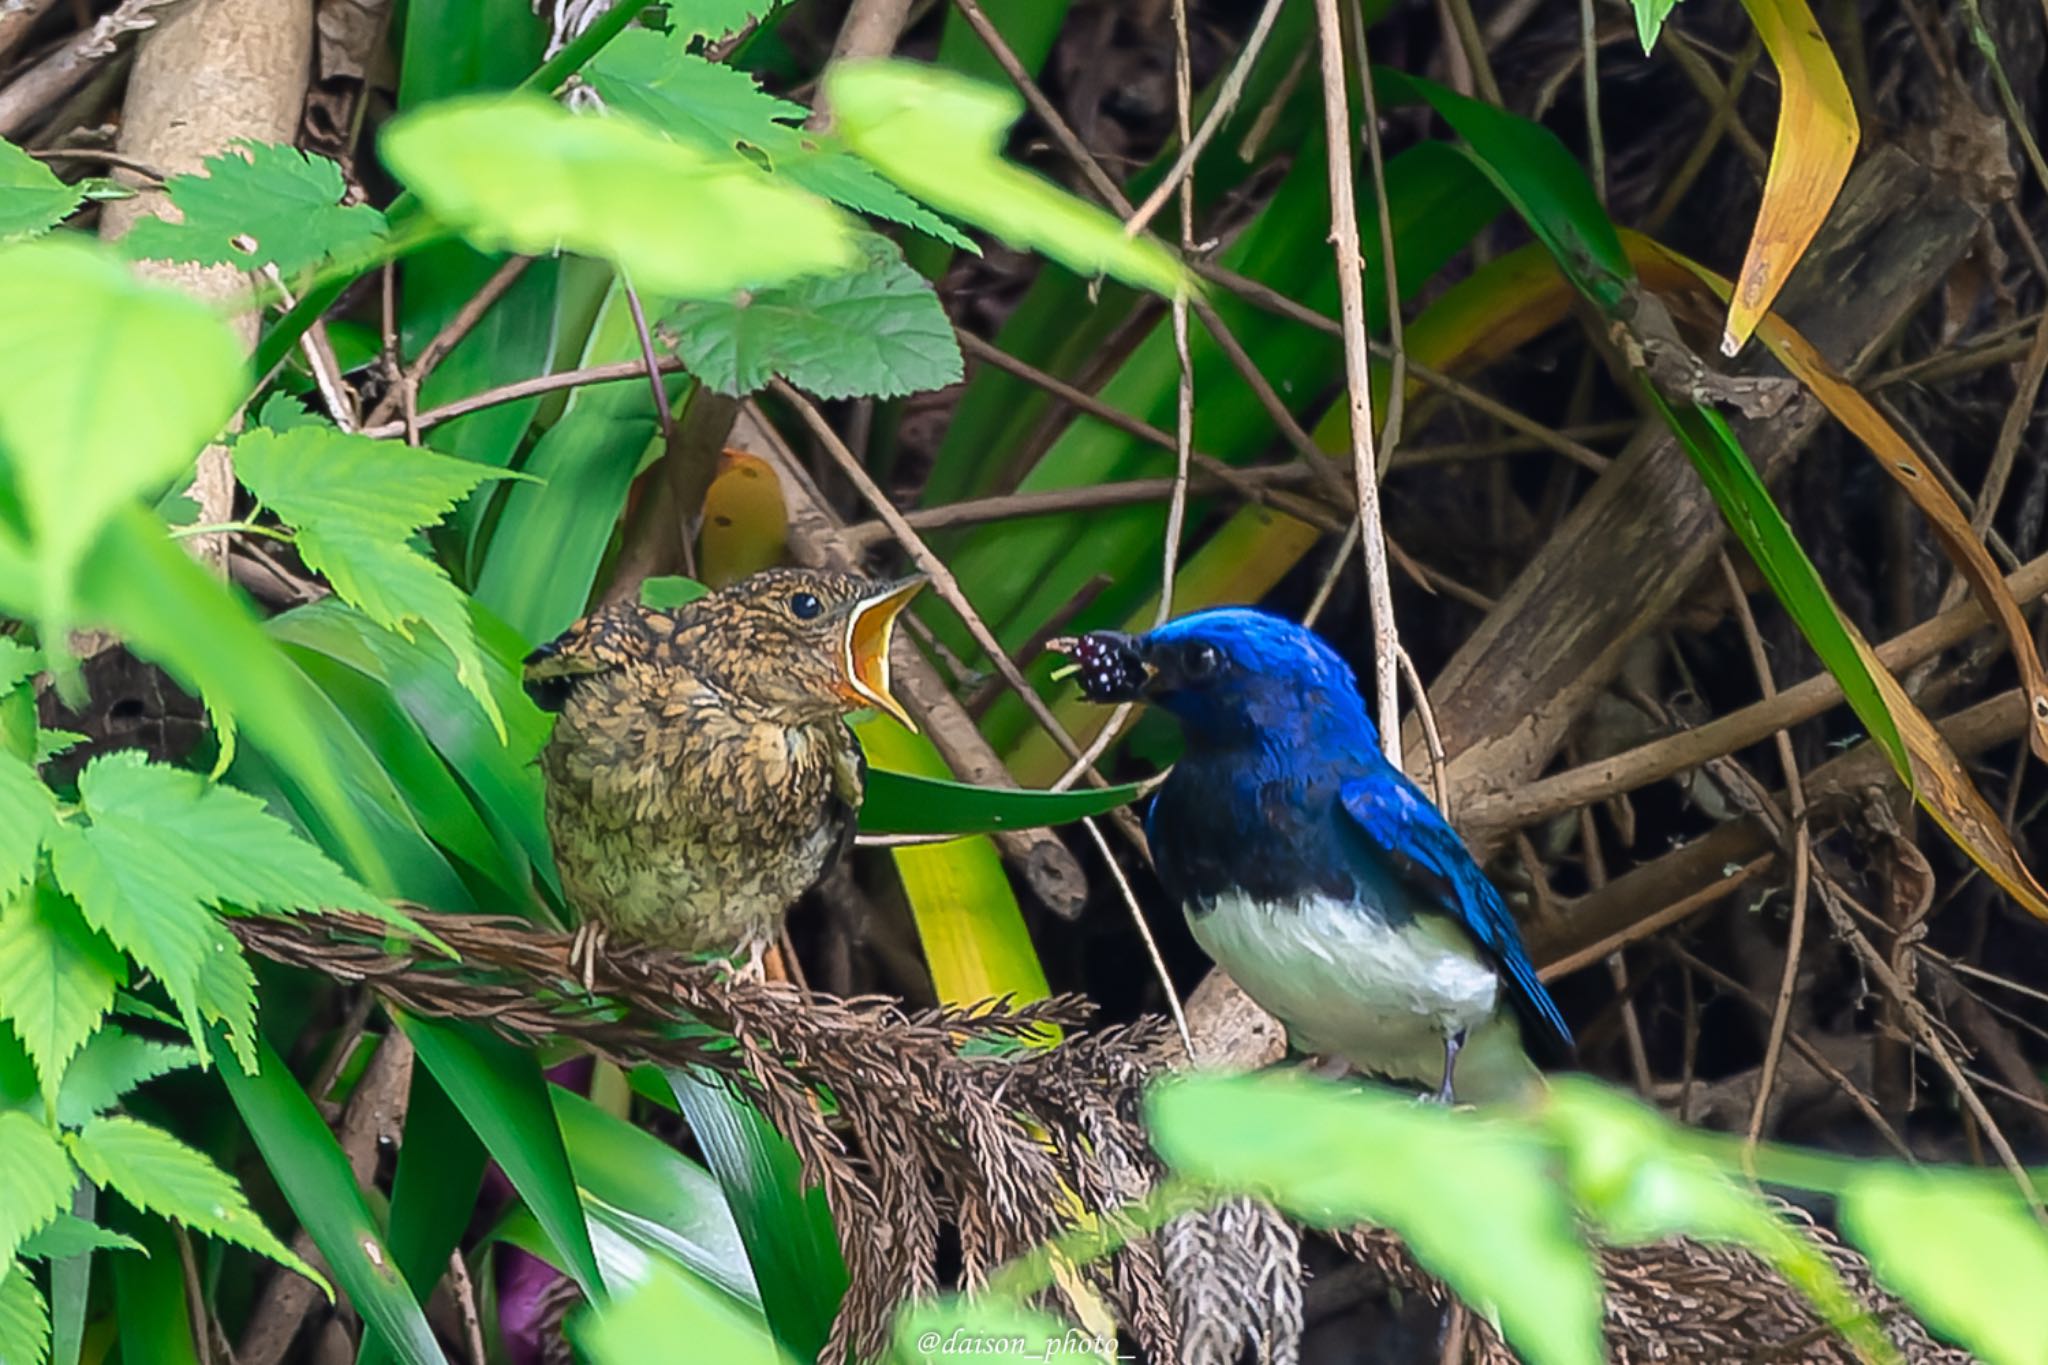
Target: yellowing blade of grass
{"type": "Point", "coordinates": [745, 520]}
{"type": "Point", "coordinates": [1666, 269]}
{"type": "Point", "coordinates": [1810, 156]}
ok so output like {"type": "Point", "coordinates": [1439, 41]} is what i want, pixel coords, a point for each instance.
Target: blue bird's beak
{"type": "Point", "coordinates": [1111, 666]}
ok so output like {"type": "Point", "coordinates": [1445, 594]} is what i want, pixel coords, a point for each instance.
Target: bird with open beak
{"type": "Point", "coordinates": [701, 775]}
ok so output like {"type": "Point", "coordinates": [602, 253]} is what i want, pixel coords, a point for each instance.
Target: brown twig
{"type": "Point", "coordinates": [447, 339]}
{"type": "Point", "coordinates": [526, 388]}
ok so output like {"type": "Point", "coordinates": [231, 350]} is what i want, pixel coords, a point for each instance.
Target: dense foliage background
{"type": "Point", "coordinates": [347, 351]}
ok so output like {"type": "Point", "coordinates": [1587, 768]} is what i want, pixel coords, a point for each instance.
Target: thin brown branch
{"type": "Point", "coordinates": [526, 388]}
{"type": "Point", "coordinates": [447, 339]}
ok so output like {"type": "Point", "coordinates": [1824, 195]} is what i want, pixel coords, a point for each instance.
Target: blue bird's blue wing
{"type": "Point", "coordinates": [1413, 838]}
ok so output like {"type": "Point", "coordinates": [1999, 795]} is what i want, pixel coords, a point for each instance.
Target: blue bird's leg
{"type": "Point", "coordinates": [1452, 1042]}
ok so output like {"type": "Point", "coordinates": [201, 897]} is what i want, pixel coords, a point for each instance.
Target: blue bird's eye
{"type": "Point", "coordinates": [804, 606]}
{"type": "Point", "coordinates": [1199, 663]}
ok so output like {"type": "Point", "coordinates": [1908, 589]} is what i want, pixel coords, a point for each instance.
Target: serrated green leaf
{"type": "Point", "coordinates": [163, 851]}
{"type": "Point", "coordinates": [714, 106]}
{"type": "Point", "coordinates": [357, 503]}
{"type": "Point", "coordinates": [24, 1318]}
{"type": "Point", "coordinates": [32, 199]}
{"type": "Point", "coordinates": [57, 979]}
{"type": "Point", "coordinates": [1472, 1197]}
{"type": "Point", "coordinates": [522, 173]}
{"type": "Point", "coordinates": [69, 1235]}
{"type": "Point", "coordinates": [159, 1174]}
{"type": "Point", "coordinates": [716, 18]}
{"type": "Point", "coordinates": [258, 204]}
{"type": "Point", "coordinates": [113, 385]}
{"type": "Point", "coordinates": [36, 1175]}
{"type": "Point", "coordinates": [877, 332]}
{"type": "Point", "coordinates": [1963, 1252]}
{"type": "Point", "coordinates": [720, 108]}
{"type": "Point", "coordinates": [111, 1065]}
{"type": "Point", "coordinates": [28, 812]}
{"type": "Point", "coordinates": [18, 663]}
{"type": "Point", "coordinates": [940, 137]}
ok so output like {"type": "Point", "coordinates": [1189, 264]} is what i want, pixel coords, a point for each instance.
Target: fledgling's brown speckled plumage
{"type": "Point", "coordinates": [701, 775]}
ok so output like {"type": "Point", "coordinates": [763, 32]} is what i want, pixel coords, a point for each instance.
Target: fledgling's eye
{"type": "Point", "coordinates": [804, 607]}
{"type": "Point", "coordinates": [1199, 663]}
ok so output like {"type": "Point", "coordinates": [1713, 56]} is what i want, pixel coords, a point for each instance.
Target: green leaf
{"type": "Point", "coordinates": [1629, 1172]}
{"type": "Point", "coordinates": [24, 1318]}
{"type": "Point", "coordinates": [785, 1223]}
{"type": "Point", "coordinates": [877, 332]}
{"type": "Point", "coordinates": [28, 812]}
{"type": "Point", "coordinates": [901, 803]}
{"type": "Point", "coordinates": [357, 503]}
{"type": "Point", "coordinates": [314, 1174]}
{"type": "Point", "coordinates": [1650, 17]}
{"type": "Point", "coordinates": [669, 1306]}
{"type": "Point", "coordinates": [32, 199]}
{"type": "Point", "coordinates": [420, 676]}
{"type": "Point", "coordinates": [57, 979]}
{"type": "Point", "coordinates": [522, 173]}
{"type": "Point", "coordinates": [112, 1064]}
{"type": "Point", "coordinates": [18, 663]}
{"type": "Point", "coordinates": [159, 1174]}
{"type": "Point", "coordinates": [1471, 1196]}
{"type": "Point", "coordinates": [940, 137]}
{"type": "Point", "coordinates": [36, 1175]}
{"type": "Point", "coordinates": [721, 109]}
{"type": "Point", "coordinates": [113, 385]}
{"type": "Point", "coordinates": [501, 1092]}
{"type": "Point", "coordinates": [1540, 180]}
{"type": "Point", "coordinates": [550, 538]}
{"type": "Point", "coordinates": [168, 609]}
{"type": "Point", "coordinates": [648, 1193]}
{"type": "Point", "coordinates": [715, 18]}
{"type": "Point", "coordinates": [152, 1319]}
{"type": "Point", "coordinates": [71, 1235]}
{"type": "Point", "coordinates": [163, 850]}
{"type": "Point", "coordinates": [259, 204]}
{"type": "Point", "coordinates": [1753, 515]}
{"type": "Point", "coordinates": [1966, 1254]}
{"type": "Point", "coordinates": [672, 590]}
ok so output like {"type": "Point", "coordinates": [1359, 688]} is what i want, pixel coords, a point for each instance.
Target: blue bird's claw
{"type": "Point", "coordinates": [1452, 1042]}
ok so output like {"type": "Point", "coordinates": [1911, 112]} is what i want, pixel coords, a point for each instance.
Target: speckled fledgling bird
{"type": "Point", "coordinates": [701, 775]}
{"type": "Point", "coordinates": [1312, 870]}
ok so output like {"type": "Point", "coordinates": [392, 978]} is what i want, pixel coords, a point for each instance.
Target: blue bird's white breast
{"type": "Point", "coordinates": [1380, 991]}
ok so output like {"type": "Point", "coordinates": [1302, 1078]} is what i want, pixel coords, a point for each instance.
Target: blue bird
{"type": "Point", "coordinates": [1313, 871]}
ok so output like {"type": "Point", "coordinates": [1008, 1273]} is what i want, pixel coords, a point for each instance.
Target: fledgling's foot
{"type": "Point", "coordinates": [583, 950]}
